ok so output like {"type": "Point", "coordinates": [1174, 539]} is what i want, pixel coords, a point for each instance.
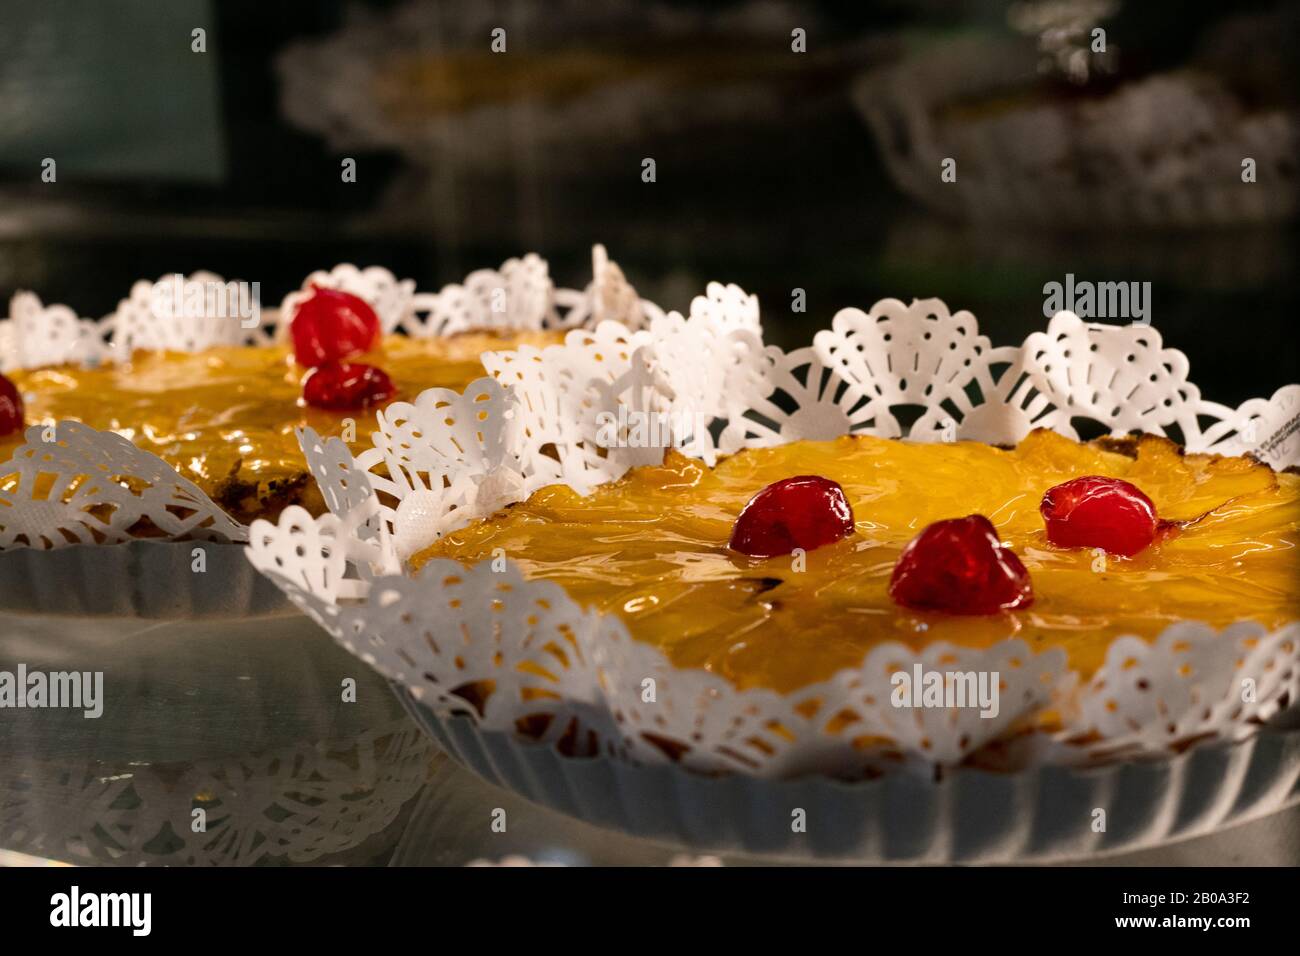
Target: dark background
{"type": "Point", "coordinates": [767, 174]}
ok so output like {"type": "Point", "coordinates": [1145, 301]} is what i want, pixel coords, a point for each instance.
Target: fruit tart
{"type": "Point", "coordinates": [681, 636]}
{"type": "Point", "coordinates": [779, 567]}
{"type": "Point", "coordinates": [224, 416]}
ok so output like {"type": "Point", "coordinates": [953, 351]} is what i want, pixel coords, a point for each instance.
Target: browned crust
{"type": "Point", "coordinates": [246, 501]}
{"type": "Point", "coordinates": [1127, 445]}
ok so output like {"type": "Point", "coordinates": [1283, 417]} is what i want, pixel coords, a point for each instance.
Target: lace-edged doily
{"type": "Point", "coordinates": [70, 484]}
{"type": "Point", "coordinates": [515, 653]}
{"type": "Point", "coordinates": [76, 485]}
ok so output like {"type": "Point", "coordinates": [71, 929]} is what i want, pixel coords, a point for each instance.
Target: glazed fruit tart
{"type": "Point", "coordinates": [700, 562]}
{"type": "Point", "coordinates": [224, 417]}
{"type": "Point", "coordinates": [140, 445]}
{"type": "Point", "coordinates": [219, 404]}
{"type": "Point", "coordinates": [739, 587]}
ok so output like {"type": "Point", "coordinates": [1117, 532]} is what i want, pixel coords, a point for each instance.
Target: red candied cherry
{"type": "Point", "coordinates": [11, 407]}
{"type": "Point", "coordinates": [803, 512]}
{"type": "Point", "coordinates": [1096, 512]}
{"type": "Point", "coordinates": [330, 325]}
{"type": "Point", "coordinates": [961, 567]}
{"type": "Point", "coordinates": [347, 386]}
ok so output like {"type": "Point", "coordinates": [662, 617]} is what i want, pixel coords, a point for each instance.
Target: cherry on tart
{"type": "Point", "coordinates": [11, 408]}
{"type": "Point", "coordinates": [347, 386]}
{"type": "Point", "coordinates": [961, 567]}
{"type": "Point", "coordinates": [802, 512]}
{"type": "Point", "coordinates": [330, 326]}
{"type": "Point", "coordinates": [1097, 512]}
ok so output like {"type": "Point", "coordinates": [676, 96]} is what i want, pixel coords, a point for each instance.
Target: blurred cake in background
{"type": "Point", "coordinates": [426, 74]}
{"type": "Point", "coordinates": [580, 92]}
{"type": "Point", "coordinates": [1044, 130]}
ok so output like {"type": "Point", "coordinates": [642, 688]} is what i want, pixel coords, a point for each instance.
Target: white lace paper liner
{"type": "Point", "coordinates": [74, 460]}
{"type": "Point", "coordinates": [450, 458]}
{"type": "Point", "coordinates": [70, 484]}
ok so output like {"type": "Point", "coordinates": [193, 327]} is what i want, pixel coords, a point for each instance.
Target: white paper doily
{"type": "Point", "coordinates": [58, 493]}
{"type": "Point", "coordinates": [449, 458]}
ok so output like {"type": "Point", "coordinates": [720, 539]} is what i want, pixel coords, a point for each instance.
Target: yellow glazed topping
{"type": "Point", "coordinates": [225, 417]}
{"type": "Point", "coordinates": [652, 547]}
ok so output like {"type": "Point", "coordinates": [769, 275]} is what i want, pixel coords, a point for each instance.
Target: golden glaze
{"type": "Point", "coordinates": [224, 417]}
{"type": "Point", "coordinates": [652, 547]}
